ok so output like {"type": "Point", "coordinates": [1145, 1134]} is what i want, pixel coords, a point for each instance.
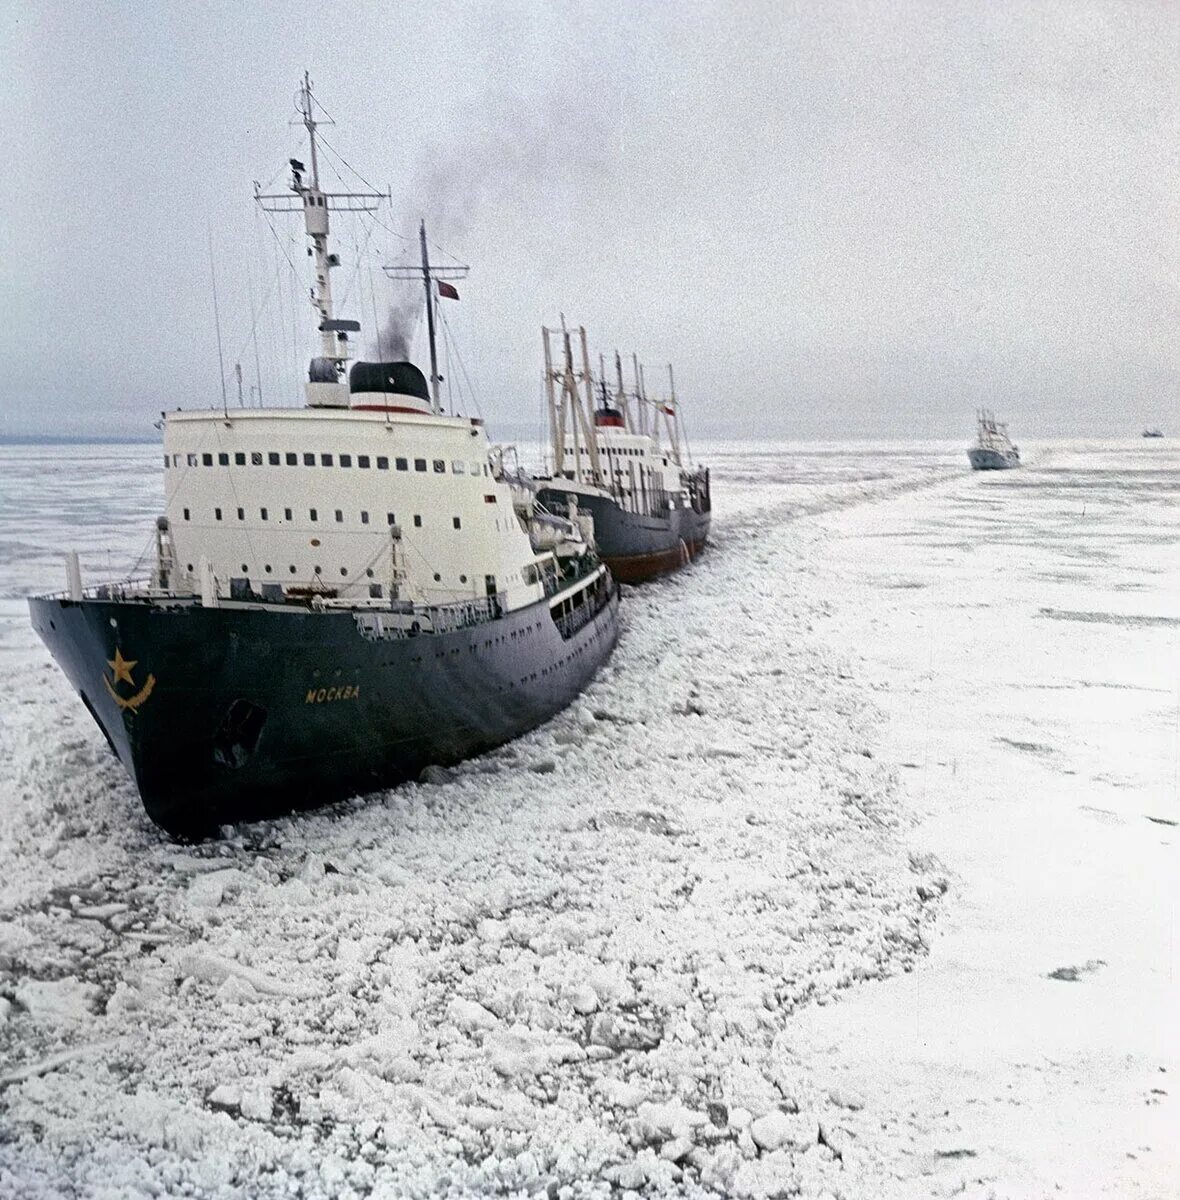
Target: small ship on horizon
{"type": "Point", "coordinates": [993, 450]}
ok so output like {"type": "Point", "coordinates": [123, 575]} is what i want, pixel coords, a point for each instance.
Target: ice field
{"type": "Point", "coordinates": [854, 874]}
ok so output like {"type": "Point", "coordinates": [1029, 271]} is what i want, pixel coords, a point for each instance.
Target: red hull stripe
{"type": "Point", "coordinates": [635, 568]}
{"type": "Point", "coordinates": [387, 408]}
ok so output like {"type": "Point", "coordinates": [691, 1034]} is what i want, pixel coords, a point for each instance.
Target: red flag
{"type": "Point", "coordinates": [446, 291]}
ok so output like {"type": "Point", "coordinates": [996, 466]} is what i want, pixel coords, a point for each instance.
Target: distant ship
{"type": "Point", "coordinates": [651, 507]}
{"type": "Point", "coordinates": [994, 450]}
{"type": "Point", "coordinates": [342, 594]}
{"type": "Point", "coordinates": [1153, 433]}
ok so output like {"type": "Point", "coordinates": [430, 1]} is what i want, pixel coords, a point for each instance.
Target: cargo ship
{"type": "Point", "coordinates": [622, 457]}
{"type": "Point", "coordinates": [342, 594]}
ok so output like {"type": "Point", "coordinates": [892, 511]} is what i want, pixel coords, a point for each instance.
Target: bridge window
{"type": "Point", "coordinates": [440, 466]}
{"type": "Point", "coordinates": [362, 460]}
{"type": "Point", "coordinates": [402, 464]}
{"type": "Point", "coordinates": [292, 458]}
{"type": "Point", "coordinates": [274, 458]}
{"type": "Point", "coordinates": [223, 460]}
{"type": "Point", "coordinates": [167, 461]}
{"type": "Point", "coordinates": [346, 460]}
{"type": "Point", "coordinates": [192, 460]}
{"type": "Point", "coordinates": [475, 468]}
{"type": "Point", "coordinates": [256, 458]}
{"type": "Point", "coordinates": [459, 467]}
{"type": "Point", "coordinates": [308, 460]}
{"type": "Point", "coordinates": [382, 463]}
{"type": "Point", "coordinates": [325, 460]}
{"type": "Point", "coordinates": [240, 459]}
{"type": "Point", "coordinates": [419, 464]}
{"type": "Point", "coordinates": [207, 460]}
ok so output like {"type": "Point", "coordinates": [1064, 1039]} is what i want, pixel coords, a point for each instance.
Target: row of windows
{"type": "Point", "coordinates": [313, 514]}
{"type": "Point", "coordinates": [259, 458]}
{"type": "Point", "coordinates": [636, 453]}
{"type": "Point", "coordinates": [268, 569]}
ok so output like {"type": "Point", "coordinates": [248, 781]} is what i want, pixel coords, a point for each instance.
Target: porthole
{"type": "Point", "coordinates": [437, 578]}
{"type": "Point", "coordinates": [267, 568]}
{"type": "Point", "coordinates": [315, 570]}
{"type": "Point", "coordinates": [462, 578]}
{"type": "Point", "coordinates": [369, 572]}
{"type": "Point", "coordinates": [245, 569]}
{"type": "Point", "coordinates": [291, 568]}
{"type": "Point", "coordinates": [343, 570]}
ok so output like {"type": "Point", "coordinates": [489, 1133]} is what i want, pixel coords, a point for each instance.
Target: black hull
{"type": "Point", "coordinates": [636, 546]}
{"type": "Point", "coordinates": [240, 713]}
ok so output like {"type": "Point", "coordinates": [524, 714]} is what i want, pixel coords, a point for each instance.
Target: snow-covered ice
{"type": "Point", "coordinates": [775, 908]}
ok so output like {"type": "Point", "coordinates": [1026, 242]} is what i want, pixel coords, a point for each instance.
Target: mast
{"type": "Point", "coordinates": [430, 276]}
{"type": "Point", "coordinates": [325, 375]}
{"type": "Point", "coordinates": [315, 219]}
{"type": "Point", "coordinates": [429, 317]}
{"type": "Point", "coordinates": [624, 403]}
{"type": "Point", "coordinates": [671, 415]}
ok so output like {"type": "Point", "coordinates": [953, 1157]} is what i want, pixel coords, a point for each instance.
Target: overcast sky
{"type": "Point", "coordinates": [857, 219]}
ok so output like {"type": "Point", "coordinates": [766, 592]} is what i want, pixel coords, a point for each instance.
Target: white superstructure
{"type": "Point", "coordinates": [369, 494]}
{"type": "Point", "coordinates": [350, 504]}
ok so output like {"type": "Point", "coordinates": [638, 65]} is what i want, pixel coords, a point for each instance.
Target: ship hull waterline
{"type": "Point", "coordinates": [637, 547]}
{"type": "Point", "coordinates": [991, 460]}
{"type": "Point", "coordinates": [222, 715]}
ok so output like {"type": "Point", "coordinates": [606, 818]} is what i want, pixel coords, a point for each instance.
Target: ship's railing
{"type": "Point", "coordinates": [409, 620]}
{"type": "Point", "coordinates": [578, 610]}
{"type": "Point", "coordinates": [123, 590]}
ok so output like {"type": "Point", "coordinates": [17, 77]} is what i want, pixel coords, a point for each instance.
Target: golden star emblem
{"type": "Point", "coordinates": [122, 666]}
